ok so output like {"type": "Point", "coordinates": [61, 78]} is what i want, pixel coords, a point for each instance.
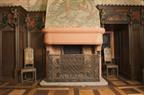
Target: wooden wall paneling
{"type": "Point", "coordinates": [37, 44]}
{"type": "Point", "coordinates": [13, 19]}
{"type": "Point", "coordinates": [117, 37]}
{"type": "Point", "coordinates": [135, 19]}
{"type": "Point", "coordinates": [17, 56]}
{"type": "Point", "coordinates": [142, 35]}
{"type": "Point", "coordinates": [135, 44]}
{"type": "Point", "coordinates": [116, 17]}
{"type": "Point", "coordinates": [108, 14]}
{"type": "Point", "coordinates": [8, 53]}
{"type": "Point", "coordinates": [0, 46]}
{"type": "Point", "coordinates": [21, 49]}
{"type": "Point", "coordinates": [36, 20]}
{"type": "Point", "coordinates": [22, 35]}
{"type": "Point", "coordinates": [7, 43]}
{"type": "Point", "coordinates": [36, 23]}
{"type": "Point", "coordinates": [20, 28]}
{"type": "Point", "coordinates": [135, 53]}
{"type": "Point", "coordinates": [124, 52]}
{"type": "Point", "coordinates": [0, 54]}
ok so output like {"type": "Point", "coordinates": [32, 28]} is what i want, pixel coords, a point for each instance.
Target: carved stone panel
{"type": "Point", "coordinates": [72, 68]}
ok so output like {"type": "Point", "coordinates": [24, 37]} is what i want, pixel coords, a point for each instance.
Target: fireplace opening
{"type": "Point", "coordinates": [72, 49]}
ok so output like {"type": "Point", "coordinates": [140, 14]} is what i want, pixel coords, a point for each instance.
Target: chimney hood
{"type": "Point", "coordinates": [72, 22]}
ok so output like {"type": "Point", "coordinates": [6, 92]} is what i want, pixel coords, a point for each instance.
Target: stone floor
{"type": "Point", "coordinates": [116, 86]}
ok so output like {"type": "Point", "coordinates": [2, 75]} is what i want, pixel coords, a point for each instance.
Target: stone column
{"type": "Point", "coordinates": [98, 51]}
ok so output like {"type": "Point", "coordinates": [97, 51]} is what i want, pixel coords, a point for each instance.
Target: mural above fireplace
{"type": "Point", "coordinates": [72, 13]}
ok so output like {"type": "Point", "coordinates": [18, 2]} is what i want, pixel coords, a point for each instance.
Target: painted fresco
{"type": "Point", "coordinates": [72, 13]}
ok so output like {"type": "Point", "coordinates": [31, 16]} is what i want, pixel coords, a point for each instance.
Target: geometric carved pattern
{"type": "Point", "coordinates": [72, 68]}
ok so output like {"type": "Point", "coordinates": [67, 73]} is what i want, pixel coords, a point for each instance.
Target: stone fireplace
{"type": "Point", "coordinates": [73, 23]}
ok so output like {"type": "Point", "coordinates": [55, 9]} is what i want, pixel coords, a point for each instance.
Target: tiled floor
{"type": "Point", "coordinates": [117, 86]}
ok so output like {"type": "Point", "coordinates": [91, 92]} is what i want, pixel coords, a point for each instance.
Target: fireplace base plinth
{"type": "Point", "coordinates": [102, 82]}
